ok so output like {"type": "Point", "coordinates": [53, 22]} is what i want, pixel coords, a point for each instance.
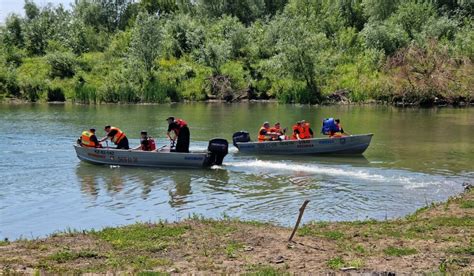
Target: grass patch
{"type": "Point", "coordinates": [64, 256]}
{"type": "Point", "coordinates": [232, 248]}
{"type": "Point", "coordinates": [151, 273]}
{"type": "Point", "coordinates": [264, 270]}
{"type": "Point", "coordinates": [148, 237]}
{"type": "Point", "coordinates": [319, 230]}
{"type": "Point", "coordinates": [3, 243]}
{"type": "Point", "coordinates": [399, 251]}
{"type": "Point", "coordinates": [453, 221]}
{"type": "Point", "coordinates": [334, 235]}
{"type": "Point", "coordinates": [335, 263]}
{"type": "Point", "coordinates": [467, 204]}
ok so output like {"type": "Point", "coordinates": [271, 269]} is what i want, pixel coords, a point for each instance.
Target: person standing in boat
{"type": "Point", "coordinates": [88, 139]}
{"type": "Point", "coordinates": [265, 134]}
{"type": "Point", "coordinates": [146, 143]}
{"type": "Point", "coordinates": [116, 136]}
{"type": "Point", "coordinates": [178, 132]}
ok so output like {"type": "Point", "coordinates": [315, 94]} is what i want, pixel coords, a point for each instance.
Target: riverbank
{"type": "Point", "coordinates": [326, 103]}
{"type": "Point", "coordinates": [434, 239]}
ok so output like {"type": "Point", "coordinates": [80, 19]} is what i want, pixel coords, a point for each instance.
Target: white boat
{"type": "Point", "coordinates": [347, 145]}
{"type": "Point", "coordinates": [163, 158]}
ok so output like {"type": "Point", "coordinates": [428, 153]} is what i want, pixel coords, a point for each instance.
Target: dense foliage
{"type": "Point", "coordinates": [299, 51]}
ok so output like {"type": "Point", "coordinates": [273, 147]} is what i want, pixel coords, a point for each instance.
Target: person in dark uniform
{"type": "Point", "coordinates": [116, 136]}
{"type": "Point", "coordinates": [178, 132]}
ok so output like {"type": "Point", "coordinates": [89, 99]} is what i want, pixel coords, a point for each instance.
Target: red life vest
{"type": "Point", "coordinates": [181, 123]}
{"type": "Point", "coordinates": [151, 145]}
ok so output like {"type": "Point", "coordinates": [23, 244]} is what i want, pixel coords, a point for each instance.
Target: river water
{"type": "Point", "coordinates": [417, 156]}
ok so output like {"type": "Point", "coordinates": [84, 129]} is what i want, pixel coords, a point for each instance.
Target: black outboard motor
{"type": "Point", "coordinates": [241, 137]}
{"type": "Point", "coordinates": [218, 149]}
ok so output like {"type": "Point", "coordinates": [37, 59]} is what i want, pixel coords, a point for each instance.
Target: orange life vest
{"type": "Point", "coordinates": [336, 134]}
{"type": "Point", "coordinates": [118, 136]}
{"type": "Point", "coordinates": [278, 131]}
{"type": "Point", "coordinates": [300, 130]}
{"type": "Point", "coordinates": [306, 133]}
{"type": "Point", "coordinates": [262, 137]}
{"type": "Point", "coordinates": [86, 139]}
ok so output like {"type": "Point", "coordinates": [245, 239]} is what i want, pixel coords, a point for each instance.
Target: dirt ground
{"type": "Point", "coordinates": [436, 239]}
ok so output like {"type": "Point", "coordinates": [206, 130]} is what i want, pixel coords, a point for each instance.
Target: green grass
{"type": "Point", "coordinates": [335, 263]}
{"type": "Point", "coordinates": [399, 251]}
{"type": "Point", "coordinates": [3, 243]}
{"type": "Point", "coordinates": [264, 270]}
{"type": "Point", "coordinates": [467, 204]}
{"type": "Point", "coordinates": [141, 236]}
{"type": "Point", "coordinates": [232, 248]}
{"type": "Point", "coordinates": [64, 256]}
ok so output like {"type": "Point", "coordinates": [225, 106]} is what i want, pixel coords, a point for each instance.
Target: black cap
{"type": "Point", "coordinates": [107, 127]}
{"type": "Point", "coordinates": [92, 130]}
{"type": "Point", "coordinates": [144, 132]}
{"type": "Point", "coordinates": [170, 118]}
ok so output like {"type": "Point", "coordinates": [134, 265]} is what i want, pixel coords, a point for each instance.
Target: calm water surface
{"type": "Point", "coordinates": [417, 156]}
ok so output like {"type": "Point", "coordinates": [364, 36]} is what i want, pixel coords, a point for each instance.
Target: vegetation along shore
{"type": "Point", "coordinates": [405, 52]}
{"type": "Point", "coordinates": [437, 238]}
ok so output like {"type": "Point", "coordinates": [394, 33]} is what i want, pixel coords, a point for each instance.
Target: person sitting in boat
{"type": "Point", "coordinates": [265, 134]}
{"type": "Point", "coordinates": [308, 132]}
{"type": "Point", "coordinates": [279, 131]}
{"type": "Point", "coordinates": [88, 139]}
{"type": "Point", "coordinates": [146, 143]}
{"type": "Point", "coordinates": [116, 136]}
{"type": "Point", "coordinates": [340, 131]}
{"type": "Point", "coordinates": [178, 132]}
{"type": "Point", "coordinates": [332, 127]}
{"type": "Point", "coordinates": [298, 131]}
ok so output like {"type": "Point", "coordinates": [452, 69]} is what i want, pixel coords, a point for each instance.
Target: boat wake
{"type": "Point", "coordinates": [312, 169]}
{"type": "Point", "coordinates": [407, 179]}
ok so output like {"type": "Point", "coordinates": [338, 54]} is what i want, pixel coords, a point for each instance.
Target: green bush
{"type": "Point", "coordinates": [55, 94]}
{"type": "Point", "coordinates": [8, 82]}
{"type": "Point", "coordinates": [62, 64]}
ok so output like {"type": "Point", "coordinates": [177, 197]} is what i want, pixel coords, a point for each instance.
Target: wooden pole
{"type": "Point", "coordinates": [299, 219]}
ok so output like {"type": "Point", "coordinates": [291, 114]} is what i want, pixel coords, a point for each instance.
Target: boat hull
{"type": "Point", "coordinates": [348, 145]}
{"type": "Point", "coordinates": [162, 159]}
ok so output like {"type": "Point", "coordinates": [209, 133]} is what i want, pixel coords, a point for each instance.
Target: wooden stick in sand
{"type": "Point", "coordinates": [299, 219]}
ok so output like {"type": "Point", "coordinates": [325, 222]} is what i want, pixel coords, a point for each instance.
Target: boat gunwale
{"type": "Point", "coordinates": [310, 139]}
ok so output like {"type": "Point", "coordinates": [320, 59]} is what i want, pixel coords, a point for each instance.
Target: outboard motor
{"type": "Point", "coordinates": [218, 149]}
{"type": "Point", "coordinates": [240, 137]}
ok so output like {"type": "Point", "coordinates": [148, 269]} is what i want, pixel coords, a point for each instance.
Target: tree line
{"type": "Point", "coordinates": [296, 51]}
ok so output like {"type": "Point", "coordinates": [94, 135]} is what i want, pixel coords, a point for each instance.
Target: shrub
{"type": "Point", "coordinates": [62, 64]}
{"type": "Point", "coordinates": [55, 94]}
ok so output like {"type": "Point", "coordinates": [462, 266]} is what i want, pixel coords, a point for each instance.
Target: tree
{"type": "Point", "coordinates": [379, 10]}
{"type": "Point", "coordinates": [31, 10]}
{"type": "Point", "coordinates": [298, 52]}
{"type": "Point", "coordinates": [13, 35]}
{"type": "Point", "coordinates": [146, 42]}
{"type": "Point", "coordinates": [412, 15]}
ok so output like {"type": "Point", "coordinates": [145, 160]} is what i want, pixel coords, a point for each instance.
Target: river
{"type": "Point", "coordinates": [417, 156]}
